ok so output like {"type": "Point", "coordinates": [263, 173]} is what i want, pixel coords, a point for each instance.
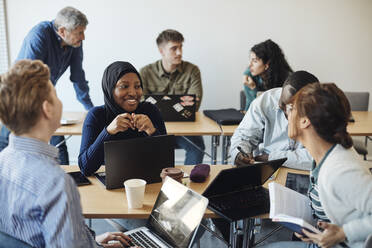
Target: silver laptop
{"type": "Point", "coordinates": [174, 219]}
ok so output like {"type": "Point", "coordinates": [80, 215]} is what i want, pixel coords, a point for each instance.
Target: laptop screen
{"type": "Point", "coordinates": [174, 107]}
{"type": "Point", "coordinates": [242, 178]}
{"type": "Point", "coordinates": [177, 213]}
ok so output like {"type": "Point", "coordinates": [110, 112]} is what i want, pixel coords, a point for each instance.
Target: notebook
{"type": "Point", "coordinates": [237, 193]}
{"type": "Point", "coordinates": [142, 158]}
{"type": "Point", "coordinates": [174, 219]}
{"type": "Point", "coordinates": [225, 116]}
{"type": "Point", "coordinates": [174, 107]}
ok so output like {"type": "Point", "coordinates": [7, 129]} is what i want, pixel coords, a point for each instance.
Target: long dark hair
{"type": "Point", "coordinates": [328, 110]}
{"type": "Point", "coordinates": [278, 70]}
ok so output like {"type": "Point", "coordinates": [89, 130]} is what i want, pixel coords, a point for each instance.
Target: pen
{"type": "Point", "coordinates": [243, 152]}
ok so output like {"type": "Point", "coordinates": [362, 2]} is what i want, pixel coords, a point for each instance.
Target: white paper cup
{"type": "Point", "coordinates": [135, 191]}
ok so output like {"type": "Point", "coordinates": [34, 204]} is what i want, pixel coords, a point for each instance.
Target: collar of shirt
{"type": "Point", "coordinates": [32, 145]}
{"type": "Point", "coordinates": [162, 72]}
{"type": "Point", "coordinates": [57, 35]}
{"type": "Point", "coordinates": [314, 173]}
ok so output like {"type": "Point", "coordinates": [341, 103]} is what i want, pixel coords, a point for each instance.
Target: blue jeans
{"type": "Point", "coordinates": [63, 154]}
{"type": "Point", "coordinates": [4, 137]}
{"type": "Point", "coordinates": [11, 242]}
{"type": "Point", "coordinates": [193, 155]}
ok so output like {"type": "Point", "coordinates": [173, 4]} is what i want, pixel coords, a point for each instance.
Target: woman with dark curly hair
{"type": "Point", "coordinates": [267, 69]}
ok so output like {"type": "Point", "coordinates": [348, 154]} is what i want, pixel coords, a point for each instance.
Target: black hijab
{"type": "Point", "coordinates": [110, 77]}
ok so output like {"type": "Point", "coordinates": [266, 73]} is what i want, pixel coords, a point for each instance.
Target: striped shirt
{"type": "Point", "coordinates": [313, 193]}
{"type": "Point", "coordinates": [40, 204]}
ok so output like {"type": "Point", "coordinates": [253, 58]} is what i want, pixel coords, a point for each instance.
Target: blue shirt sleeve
{"type": "Point", "coordinates": [34, 46]}
{"type": "Point", "coordinates": [43, 43]}
{"type": "Point", "coordinates": [247, 72]}
{"type": "Point", "coordinates": [78, 78]}
{"type": "Point", "coordinates": [94, 135]}
{"type": "Point", "coordinates": [250, 94]}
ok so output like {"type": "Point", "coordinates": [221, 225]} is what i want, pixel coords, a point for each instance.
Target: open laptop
{"type": "Point", "coordinates": [237, 193]}
{"type": "Point", "coordinates": [174, 219]}
{"type": "Point", "coordinates": [174, 107]}
{"type": "Point", "coordinates": [136, 158]}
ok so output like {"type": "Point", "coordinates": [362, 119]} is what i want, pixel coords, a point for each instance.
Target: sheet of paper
{"type": "Point", "coordinates": [284, 201]}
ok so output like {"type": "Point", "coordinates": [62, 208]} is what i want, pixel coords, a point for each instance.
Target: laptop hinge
{"type": "Point", "coordinates": [237, 191]}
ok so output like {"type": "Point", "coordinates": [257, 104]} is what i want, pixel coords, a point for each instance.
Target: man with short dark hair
{"type": "Point", "coordinates": [58, 44]}
{"type": "Point", "coordinates": [262, 135]}
{"type": "Point", "coordinates": [40, 203]}
{"type": "Point", "coordinates": [172, 75]}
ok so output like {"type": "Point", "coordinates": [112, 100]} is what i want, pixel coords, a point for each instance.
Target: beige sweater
{"type": "Point", "coordinates": [345, 191]}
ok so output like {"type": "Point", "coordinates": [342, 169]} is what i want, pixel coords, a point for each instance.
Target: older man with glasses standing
{"type": "Point", "coordinates": [58, 44]}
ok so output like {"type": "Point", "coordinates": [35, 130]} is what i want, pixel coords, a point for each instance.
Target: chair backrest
{"type": "Point", "coordinates": [359, 101]}
{"type": "Point", "coordinates": [368, 243]}
{"type": "Point", "coordinates": [7, 241]}
{"type": "Point", "coordinates": [242, 100]}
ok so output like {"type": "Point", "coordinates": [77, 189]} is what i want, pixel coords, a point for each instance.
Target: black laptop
{"type": "Point", "coordinates": [237, 193]}
{"type": "Point", "coordinates": [142, 158]}
{"type": "Point", "coordinates": [174, 107]}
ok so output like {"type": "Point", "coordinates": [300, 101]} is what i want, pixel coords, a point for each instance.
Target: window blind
{"type": "Point", "coordinates": [4, 53]}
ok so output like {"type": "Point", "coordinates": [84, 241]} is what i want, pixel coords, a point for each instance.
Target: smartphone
{"type": "Point", "coordinates": [79, 178]}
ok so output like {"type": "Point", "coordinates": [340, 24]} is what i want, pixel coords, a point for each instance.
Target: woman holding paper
{"type": "Point", "coordinates": [341, 183]}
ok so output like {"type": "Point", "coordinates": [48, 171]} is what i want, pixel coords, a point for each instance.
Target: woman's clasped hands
{"type": "Point", "coordinates": [134, 121]}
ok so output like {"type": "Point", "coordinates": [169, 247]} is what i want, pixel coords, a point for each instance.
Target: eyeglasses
{"type": "Point", "coordinates": [288, 108]}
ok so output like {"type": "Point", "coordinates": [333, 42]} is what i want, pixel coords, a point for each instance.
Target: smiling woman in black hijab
{"type": "Point", "coordinates": [122, 116]}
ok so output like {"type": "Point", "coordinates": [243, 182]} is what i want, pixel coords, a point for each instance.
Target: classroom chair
{"type": "Point", "coordinates": [359, 101]}
{"type": "Point", "coordinates": [7, 241]}
{"type": "Point", "coordinates": [368, 243]}
{"type": "Point", "coordinates": [243, 100]}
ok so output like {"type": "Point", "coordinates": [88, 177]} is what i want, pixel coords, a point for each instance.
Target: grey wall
{"type": "Point", "coordinates": [332, 39]}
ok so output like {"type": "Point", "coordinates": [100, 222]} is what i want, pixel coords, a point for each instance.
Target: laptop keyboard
{"type": "Point", "coordinates": [240, 200]}
{"type": "Point", "coordinates": [140, 238]}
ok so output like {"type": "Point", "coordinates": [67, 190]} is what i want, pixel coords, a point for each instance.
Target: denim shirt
{"type": "Point", "coordinates": [264, 129]}
{"type": "Point", "coordinates": [43, 43]}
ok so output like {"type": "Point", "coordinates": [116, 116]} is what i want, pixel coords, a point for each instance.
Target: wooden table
{"type": "Point", "coordinates": [97, 202]}
{"type": "Point", "coordinates": [201, 126]}
{"type": "Point", "coordinates": [361, 127]}
{"type": "Point", "coordinates": [72, 129]}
